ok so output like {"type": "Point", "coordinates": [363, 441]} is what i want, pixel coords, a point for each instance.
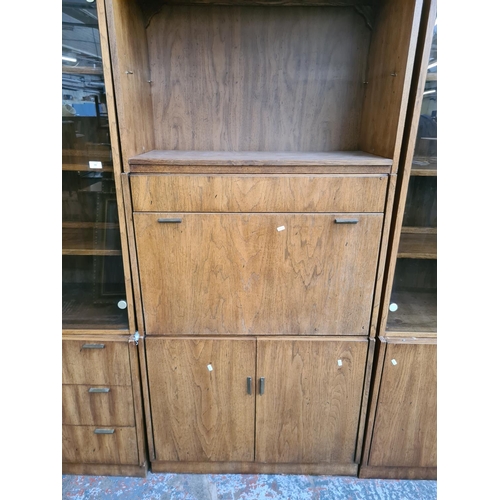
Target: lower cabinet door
{"type": "Point", "coordinates": [202, 398]}
{"type": "Point", "coordinates": [405, 429]}
{"type": "Point", "coordinates": [97, 445]}
{"type": "Point", "coordinates": [308, 399]}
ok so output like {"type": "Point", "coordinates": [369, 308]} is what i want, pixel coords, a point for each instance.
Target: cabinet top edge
{"type": "Point", "coordinates": [158, 158]}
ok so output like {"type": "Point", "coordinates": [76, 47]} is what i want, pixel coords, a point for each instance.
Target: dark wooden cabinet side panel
{"type": "Point", "coordinates": [390, 65]}
{"type": "Point", "coordinates": [405, 430]}
{"type": "Point", "coordinates": [131, 75]}
{"type": "Point", "coordinates": [198, 391]}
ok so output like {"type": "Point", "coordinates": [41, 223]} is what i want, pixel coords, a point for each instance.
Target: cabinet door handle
{"type": "Point", "coordinates": [262, 382]}
{"type": "Point", "coordinates": [170, 221]}
{"type": "Point", "coordinates": [346, 221]}
{"type": "Point", "coordinates": [93, 346]}
{"type": "Point", "coordinates": [99, 389]}
{"type": "Point", "coordinates": [104, 431]}
{"type": "Point", "coordinates": [249, 385]}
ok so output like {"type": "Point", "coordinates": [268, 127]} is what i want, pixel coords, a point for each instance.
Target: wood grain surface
{"type": "Point", "coordinates": [367, 472]}
{"type": "Point", "coordinates": [81, 445]}
{"type": "Point", "coordinates": [258, 158]}
{"type": "Point", "coordinates": [108, 366]}
{"type": "Point", "coordinates": [105, 470]}
{"type": "Point", "coordinates": [405, 431]}
{"type": "Point", "coordinates": [81, 407]}
{"type": "Point", "coordinates": [235, 193]}
{"type": "Point", "coordinates": [243, 274]}
{"type": "Point", "coordinates": [231, 78]}
{"type": "Point", "coordinates": [392, 53]}
{"type": "Point", "coordinates": [131, 76]}
{"type": "Point", "coordinates": [310, 407]}
{"type": "Point", "coordinates": [201, 414]}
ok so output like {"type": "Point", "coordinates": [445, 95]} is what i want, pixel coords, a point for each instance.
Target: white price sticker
{"type": "Point", "coordinates": [95, 164]}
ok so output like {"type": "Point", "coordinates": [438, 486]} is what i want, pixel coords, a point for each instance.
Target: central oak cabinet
{"type": "Point", "coordinates": [260, 142]}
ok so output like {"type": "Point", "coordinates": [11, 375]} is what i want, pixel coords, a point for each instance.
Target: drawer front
{"type": "Point", "coordinates": [257, 193]}
{"type": "Point", "coordinates": [246, 274]}
{"type": "Point", "coordinates": [95, 362]}
{"type": "Point", "coordinates": [97, 405]}
{"type": "Point", "coordinates": [84, 444]}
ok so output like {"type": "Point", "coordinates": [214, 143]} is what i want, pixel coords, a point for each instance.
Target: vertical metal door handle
{"type": "Point", "coordinates": [249, 385]}
{"type": "Point", "coordinates": [262, 381]}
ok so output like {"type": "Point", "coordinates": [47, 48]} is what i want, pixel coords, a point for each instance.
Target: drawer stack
{"type": "Point", "coordinates": [98, 417]}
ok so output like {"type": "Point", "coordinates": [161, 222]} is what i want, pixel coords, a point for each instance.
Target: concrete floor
{"type": "Point", "coordinates": [243, 487]}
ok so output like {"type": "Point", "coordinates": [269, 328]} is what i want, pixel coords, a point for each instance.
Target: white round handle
{"type": "Point", "coordinates": [122, 304]}
{"type": "Point", "coordinates": [393, 307]}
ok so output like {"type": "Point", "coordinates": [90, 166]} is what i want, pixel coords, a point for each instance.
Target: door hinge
{"type": "Point", "coordinates": [135, 338]}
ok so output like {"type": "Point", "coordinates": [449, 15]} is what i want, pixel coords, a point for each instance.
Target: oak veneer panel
{"type": "Point", "coordinates": [131, 74]}
{"type": "Point", "coordinates": [336, 469]}
{"type": "Point", "coordinates": [239, 274]}
{"type": "Point", "coordinates": [81, 445]}
{"type": "Point", "coordinates": [231, 78]}
{"type": "Point", "coordinates": [309, 411]}
{"type": "Point", "coordinates": [105, 470]}
{"type": "Point", "coordinates": [405, 431]}
{"type": "Point", "coordinates": [417, 246]}
{"type": "Point", "coordinates": [198, 414]}
{"type": "Point", "coordinates": [392, 53]}
{"type": "Point", "coordinates": [202, 193]}
{"type": "Point", "coordinates": [367, 472]}
{"type": "Point", "coordinates": [108, 366]}
{"type": "Point", "coordinates": [158, 158]}
{"type": "Point", "coordinates": [417, 312]}
{"type": "Point", "coordinates": [81, 407]}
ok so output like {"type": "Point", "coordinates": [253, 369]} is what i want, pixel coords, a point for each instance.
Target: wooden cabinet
{"type": "Point", "coordinates": [405, 429]}
{"type": "Point", "coordinates": [292, 400]}
{"type": "Point", "coordinates": [401, 437]}
{"type": "Point", "coordinates": [202, 398]}
{"type": "Point", "coordinates": [102, 414]}
{"type": "Point", "coordinates": [260, 147]}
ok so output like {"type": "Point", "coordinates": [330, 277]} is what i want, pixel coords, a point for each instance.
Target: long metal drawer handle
{"type": "Point", "coordinates": [99, 389]}
{"type": "Point", "coordinates": [93, 346]}
{"type": "Point", "coordinates": [170, 221]}
{"type": "Point", "coordinates": [262, 382]}
{"type": "Point", "coordinates": [346, 221]}
{"type": "Point", "coordinates": [249, 385]}
{"type": "Point", "coordinates": [104, 431]}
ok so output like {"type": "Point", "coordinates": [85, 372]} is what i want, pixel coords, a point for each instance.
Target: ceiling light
{"type": "Point", "coordinates": [430, 91]}
{"type": "Point", "coordinates": [68, 59]}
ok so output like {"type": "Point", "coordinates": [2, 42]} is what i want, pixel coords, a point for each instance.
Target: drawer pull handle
{"type": "Point", "coordinates": [99, 389]}
{"type": "Point", "coordinates": [93, 346]}
{"type": "Point", "coordinates": [104, 431]}
{"type": "Point", "coordinates": [262, 381]}
{"type": "Point", "coordinates": [346, 221]}
{"type": "Point", "coordinates": [249, 385]}
{"type": "Point", "coordinates": [170, 221]}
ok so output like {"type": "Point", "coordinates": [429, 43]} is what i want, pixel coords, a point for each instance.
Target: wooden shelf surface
{"type": "Point", "coordinates": [257, 158]}
{"type": "Point", "coordinates": [87, 241]}
{"type": "Point", "coordinates": [417, 312]}
{"type": "Point", "coordinates": [417, 245]}
{"type": "Point", "coordinates": [81, 310]}
{"type": "Point", "coordinates": [424, 167]}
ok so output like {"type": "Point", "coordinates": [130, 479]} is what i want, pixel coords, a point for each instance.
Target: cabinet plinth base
{"type": "Point", "coordinates": [254, 468]}
{"type": "Point", "coordinates": [368, 472]}
{"type": "Point", "coordinates": [105, 470]}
